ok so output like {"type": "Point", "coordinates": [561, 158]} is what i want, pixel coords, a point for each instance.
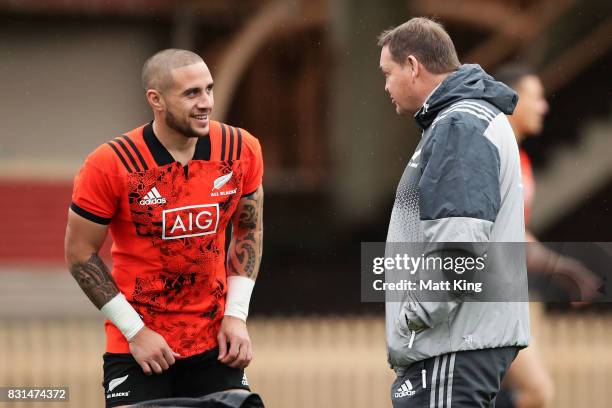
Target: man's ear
{"type": "Point", "coordinates": [413, 64]}
{"type": "Point", "coordinates": [155, 99]}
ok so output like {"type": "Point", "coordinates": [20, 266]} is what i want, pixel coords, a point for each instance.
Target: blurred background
{"type": "Point", "coordinates": [303, 77]}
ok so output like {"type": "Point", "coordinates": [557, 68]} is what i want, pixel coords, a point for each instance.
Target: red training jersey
{"type": "Point", "coordinates": [528, 182]}
{"type": "Point", "coordinates": [168, 222]}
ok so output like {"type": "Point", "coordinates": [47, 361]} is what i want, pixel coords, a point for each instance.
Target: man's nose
{"type": "Point", "coordinates": [205, 102]}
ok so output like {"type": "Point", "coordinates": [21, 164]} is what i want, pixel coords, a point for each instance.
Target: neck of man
{"type": "Point", "coordinates": [178, 145]}
{"type": "Point", "coordinates": [431, 82]}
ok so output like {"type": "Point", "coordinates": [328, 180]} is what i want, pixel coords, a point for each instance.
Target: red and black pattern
{"type": "Point", "coordinates": [191, 280]}
{"type": "Point", "coordinates": [168, 226]}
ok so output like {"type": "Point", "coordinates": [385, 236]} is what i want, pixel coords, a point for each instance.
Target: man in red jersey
{"type": "Point", "coordinates": [528, 121]}
{"type": "Point", "coordinates": [528, 383]}
{"type": "Point", "coordinates": [176, 305]}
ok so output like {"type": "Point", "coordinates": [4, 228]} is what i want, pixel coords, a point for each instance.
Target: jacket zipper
{"type": "Point", "coordinates": [411, 338]}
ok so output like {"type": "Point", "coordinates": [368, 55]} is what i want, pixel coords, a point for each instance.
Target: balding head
{"type": "Point", "coordinates": [157, 70]}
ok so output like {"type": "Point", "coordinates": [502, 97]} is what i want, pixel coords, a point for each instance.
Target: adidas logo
{"type": "Point", "coordinates": [405, 390]}
{"type": "Point", "coordinates": [152, 197]}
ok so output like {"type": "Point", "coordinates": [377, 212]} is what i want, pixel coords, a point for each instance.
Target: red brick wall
{"type": "Point", "coordinates": [33, 221]}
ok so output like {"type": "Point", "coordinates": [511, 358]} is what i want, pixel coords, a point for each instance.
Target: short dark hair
{"type": "Point", "coordinates": [424, 38]}
{"type": "Point", "coordinates": [512, 74]}
{"type": "Point", "coordinates": [156, 71]}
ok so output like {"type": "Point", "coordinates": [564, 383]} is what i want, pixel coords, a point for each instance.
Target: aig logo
{"type": "Point", "coordinates": [190, 221]}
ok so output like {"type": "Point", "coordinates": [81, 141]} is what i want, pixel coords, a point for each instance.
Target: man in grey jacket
{"type": "Point", "coordinates": [460, 192]}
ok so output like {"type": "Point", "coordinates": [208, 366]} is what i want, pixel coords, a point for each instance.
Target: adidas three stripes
{"type": "Point", "coordinates": [454, 380]}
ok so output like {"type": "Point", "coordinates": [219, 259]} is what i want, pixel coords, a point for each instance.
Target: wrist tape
{"type": "Point", "coordinates": [119, 311]}
{"type": "Point", "coordinates": [239, 289]}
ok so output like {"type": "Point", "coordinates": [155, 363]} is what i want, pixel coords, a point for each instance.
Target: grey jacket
{"type": "Point", "coordinates": [463, 184]}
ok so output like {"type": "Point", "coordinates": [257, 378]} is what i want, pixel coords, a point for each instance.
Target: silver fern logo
{"type": "Point", "coordinates": [116, 382]}
{"type": "Point", "coordinates": [221, 181]}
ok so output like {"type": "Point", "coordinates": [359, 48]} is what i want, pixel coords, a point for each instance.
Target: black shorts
{"type": "Point", "coordinates": [465, 379]}
{"type": "Point", "coordinates": [125, 382]}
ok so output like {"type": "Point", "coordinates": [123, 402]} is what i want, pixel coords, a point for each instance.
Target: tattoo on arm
{"type": "Point", "coordinates": [95, 279]}
{"type": "Point", "coordinates": [247, 238]}
{"type": "Point", "coordinates": [248, 215]}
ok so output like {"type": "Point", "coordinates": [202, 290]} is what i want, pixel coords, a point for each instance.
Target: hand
{"type": "Point", "coordinates": [151, 351]}
{"type": "Point", "coordinates": [587, 282]}
{"type": "Point", "coordinates": [239, 353]}
{"type": "Point", "coordinates": [569, 273]}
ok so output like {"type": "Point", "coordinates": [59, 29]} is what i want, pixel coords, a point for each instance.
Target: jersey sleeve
{"type": "Point", "coordinates": [94, 195]}
{"type": "Point", "coordinates": [253, 174]}
{"type": "Point", "coordinates": [528, 183]}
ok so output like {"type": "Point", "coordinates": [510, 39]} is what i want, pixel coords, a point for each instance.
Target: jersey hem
{"type": "Point", "coordinates": [251, 193]}
{"type": "Point", "coordinates": [89, 216]}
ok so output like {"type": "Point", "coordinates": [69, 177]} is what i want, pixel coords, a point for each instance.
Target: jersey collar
{"type": "Point", "coordinates": [161, 155]}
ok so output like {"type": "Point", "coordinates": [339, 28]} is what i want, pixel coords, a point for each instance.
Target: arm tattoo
{"type": "Point", "coordinates": [95, 279]}
{"type": "Point", "coordinates": [248, 216]}
{"type": "Point", "coordinates": [247, 238]}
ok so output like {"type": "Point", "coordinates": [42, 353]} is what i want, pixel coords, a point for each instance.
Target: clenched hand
{"type": "Point", "coordinates": [151, 351]}
{"type": "Point", "coordinates": [234, 343]}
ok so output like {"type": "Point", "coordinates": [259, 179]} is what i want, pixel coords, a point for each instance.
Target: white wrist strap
{"type": "Point", "coordinates": [119, 311]}
{"type": "Point", "coordinates": [239, 289]}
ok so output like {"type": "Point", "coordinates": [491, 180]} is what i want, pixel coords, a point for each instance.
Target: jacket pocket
{"type": "Point", "coordinates": [404, 331]}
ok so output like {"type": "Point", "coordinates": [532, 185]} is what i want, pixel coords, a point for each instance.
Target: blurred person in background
{"type": "Point", "coordinates": [176, 305]}
{"type": "Point", "coordinates": [462, 185]}
{"type": "Point", "coordinates": [528, 383]}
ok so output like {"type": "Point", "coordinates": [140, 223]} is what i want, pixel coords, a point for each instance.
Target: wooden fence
{"type": "Point", "coordinates": [300, 362]}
